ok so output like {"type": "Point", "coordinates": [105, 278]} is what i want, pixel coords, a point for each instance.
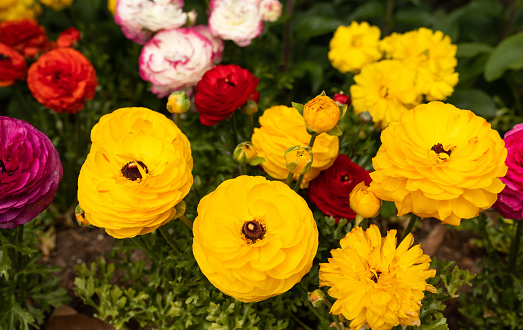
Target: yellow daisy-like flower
{"type": "Point", "coordinates": [283, 127]}
{"type": "Point", "coordinates": [19, 9]}
{"type": "Point", "coordinates": [139, 167]}
{"type": "Point", "coordinates": [254, 238]}
{"type": "Point", "coordinates": [431, 54]}
{"type": "Point", "coordinates": [57, 4]}
{"type": "Point", "coordinates": [441, 162]}
{"type": "Point", "coordinates": [385, 89]}
{"type": "Point", "coordinates": [354, 46]}
{"type": "Point", "coordinates": [376, 284]}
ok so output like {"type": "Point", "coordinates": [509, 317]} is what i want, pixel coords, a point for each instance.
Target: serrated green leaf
{"type": "Point", "coordinates": [507, 55]}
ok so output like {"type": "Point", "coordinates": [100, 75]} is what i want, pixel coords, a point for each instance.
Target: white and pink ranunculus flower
{"type": "Point", "coordinates": [236, 20]}
{"type": "Point", "coordinates": [217, 43]}
{"type": "Point", "coordinates": [270, 10]}
{"type": "Point", "coordinates": [175, 60]}
{"type": "Point", "coordinates": [139, 19]}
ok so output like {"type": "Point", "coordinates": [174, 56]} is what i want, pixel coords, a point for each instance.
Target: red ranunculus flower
{"type": "Point", "coordinates": [68, 37]}
{"type": "Point", "coordinates": [330, 191]}
{"type": "Point", "coordinates": [342, 98]}
{"type": "Point", "coordinates": [222, 90]}
{"type": "Point", "coordinates": [22, 34]}
{"type": "Point", "coordinates": [12, 66]}
{"type": "Point", "coordinates": [62, 79]}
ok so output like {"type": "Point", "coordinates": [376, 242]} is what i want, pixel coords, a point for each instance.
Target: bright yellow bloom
{"type": "Point", "coordinates": [19, 9]}
{"type": "Point", "coordinates": [431, 54]}
{"type": "Point", "coordinates": [57, 4]}
{"type": "Point", "coordinates": [354, 46]}
{"type": "Point", "coordinates": [111, 5]}
{"type": "Point", "coordinates": [245, 153]}
{"type": "Point", "coordinates": [298, 159]}
{"type": "Point", "coordinates": [385, 89]}
{"type": "Point", "coordinates": [321, 114]}
{"type": "Point", "coordinates": [364, 202]}
{"type": "Point", "coordinates": [254, 238]}
{"type": "Point", "coordinates": [375, 283]}
{"type": "Point", "coordinates": [139, 167]}
{"type": "Point", "coordinates": [441, 162]}
{"type": "Point", "coordinates": [283, 127]}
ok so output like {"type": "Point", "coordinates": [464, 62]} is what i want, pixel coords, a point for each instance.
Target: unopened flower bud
{"type": "Point", "coordinates": [364, 202]}
{"type": "Point", "coordinates": [342, 98]}
{"type": "Point", "coordinates": [245, 153]}
{"type": "Point", "coordinates": [191, 17]}
{"type": "Point", "coordinates": [270, 10]}
{"type": "Point", "coordinates": [80, 217]}
{"type": "Point", "coordinates": [321, 115]}
{"type": "Point", "coordinates": [178, 102]}
{"type": "Point", "coordinates": [316, 297]}
{"type": "Point", "coordinates": [298, 159]}
{"type": "Point", "coordinates": [365, 117]}
{"type": "Point", "coordinates": [250, 107]}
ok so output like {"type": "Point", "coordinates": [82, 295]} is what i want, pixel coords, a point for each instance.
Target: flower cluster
{"type": "Point", "coordinates": [377, 285]}
{"type": "Point", "coordinates": [413, 65]}
{"type": "Point", "coordinates": [138, 169]}
{"type": "Point", "coordinates": [254, 238]}
{"type": "Point", "coordinates": [439, 161]}
{"type": "Point", "coordinates": [61, 78]}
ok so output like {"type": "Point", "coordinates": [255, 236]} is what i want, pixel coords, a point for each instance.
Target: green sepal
{"type": "Point", "coordinates": [323, 94]}
{"type": "Point", "coordinates": [180, 209]}
{"type": "Point", "coordinates": [335, 131]}
{"type": "Point", "coordinates": [298, 107]}
{"type": "Point", "coordinates": [257, 161]}
{"type": "Point", "coordinates": [312, 132]}
{"type": "Point", "coordinates": [343, 110]}
{"type": "Point", "coordinates": [291, 167]}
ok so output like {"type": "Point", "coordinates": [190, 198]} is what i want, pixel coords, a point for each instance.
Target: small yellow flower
{"type": "Point", "coordinates": [282, 127]}
{"type": "Point", "coordinates": [137, 171]}
{"type": "Point", "coordinates": [19, 9]}
{"type": "Point", "coordinates": [364, 202]}
{"type": "Point", "coordinates": [178, 102]}
{"type": "Point", "coordinates": [245, 153]}
{"type": "Point", "coordinates": [385, 89]}
{"type": "Point", "coordinates": [352, 47]}
{"type": "Point", "coordinates": [376, 284]}
{"type": "Point", "coordinates": [321, 114]}
{"type": "Point", "coordinates": [441, 162]}
{"type": "Point", "coordinates": [254, 238]}
{"type": "Point", "coordinates": [57, 4]}
{"type": "Point", "coordinates": [298, 159]}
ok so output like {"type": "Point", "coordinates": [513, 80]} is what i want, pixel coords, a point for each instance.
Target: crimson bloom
{"type": "Point", "coordinates": [342, 98]}
{"type": "Point", "coordinates": [330, 191]}
{"type": "Point", "coordinates": [30, 171]}
{"type": "Point", "coordinates": [23, 35]}
{"type": "Point", "coordinates": [12, 66]}
{"type": "Point", "coordinates": [68, 37]}
{"type": "Point", "coordinates": [222, 90]}
{"type": "Point", "coordinates": [510, 199]}
{"type": "Point", "coordinates": [62, 80]}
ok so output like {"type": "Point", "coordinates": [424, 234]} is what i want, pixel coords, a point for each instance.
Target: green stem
{"type": "Point", "coordinates": [251, 125]}
{"type": "Point", "coordinates": [297, 320]}
{"type": "Point", "coordinates": [514, 249]}
{"type": "Point", "coordinates": [137, 240]}
{"type": "Point", "coordinates": [311, 142]}
{"type": "Point", "coordinates": [186, 221]}
{"type": "Point", "coordinates": [168, 238]}
{"type": "Point", "coordinates": [411, 224]}
{"type": "Point", "coordinates": [298, 183]}
{"type": "Point", "coordinates": [243, 169]}
{"type": "Point", "coordinates": [289, 179]}
{"type": "Point", "coordinates": [336, 319]}
{"type": "Point", "coordinates": [483, 228]}
{"type": "Point", "coordinates": [178, 120]}
{"type": "Point", "coordinates": [388, 17]}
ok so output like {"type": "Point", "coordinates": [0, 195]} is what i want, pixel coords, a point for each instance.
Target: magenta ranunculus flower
{"type": "Point", "coordinates": [510, 200]}
{"type": "Point", "coordinates": [30, 171]}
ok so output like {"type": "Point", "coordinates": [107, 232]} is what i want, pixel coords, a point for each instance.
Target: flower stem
{"type": "Point", "coordinates": [137, 240]}
{"type": "Point", "coordinates": [298, 183]}
{"type": "Point", "coordinates": [168, 238]}
{"type": "Point", "coordinates": [311, 142]}
{"type": "Point", "coordinates": [178, 120]}
{"type": "Point", "coordinates": [251, 124]}
{"type": "Point", "coordinates": [243, 169]}
{"type": "Point", "coordinates": [289, 179]}
{"type": "Point", "coordinates": [388, 17]}
{"type": "Point", "coordinates": [411, 224]}
{"type": "Point", "coordinates": [186, 221]}
{"type": "Point", "coordinates": [334, 317]}
{"type": "Point", "coordinates": [514, 249]}
{"type": "Point", "coordinates": [18, 242]}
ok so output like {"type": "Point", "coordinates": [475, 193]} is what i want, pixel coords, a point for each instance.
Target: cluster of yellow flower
{"type": "Point", "coordinates": [394, 74]}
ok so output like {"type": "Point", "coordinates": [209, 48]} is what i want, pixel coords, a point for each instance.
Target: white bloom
{"type": "Point", "coordinates": [270, 10]}
{"type": "Point", "coordinates": [236, 20]}
{"type": "Point", "coordinates": [217, 43]}
{"type": "Point", "coordinates": [140, 18]}
{"type": "Point", "coordinates": [175, 59]}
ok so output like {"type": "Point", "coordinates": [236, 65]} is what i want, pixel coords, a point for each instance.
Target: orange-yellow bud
{"type": "Point", "coordinates": [178, 102]}
{"type": "Point", "coordinates": [321, 114]}
{"type": "Point", "coordinates": [298, 159]}
{"type": "Point", "coordinates": [245, 153]}
{"type": "Point", "coordinates": [364, 202]}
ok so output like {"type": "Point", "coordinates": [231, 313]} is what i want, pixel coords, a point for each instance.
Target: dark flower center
{"type": "Point", "coordinates": [375, 276]}
{"type": "Point", "coordinates": [131, 171]}
{"type": "Point", "coordinates": [253, 230]}
{"type": "Point", "coordinates": [344, 178]}
{"type": "Point", "coordinates": [438, 148]}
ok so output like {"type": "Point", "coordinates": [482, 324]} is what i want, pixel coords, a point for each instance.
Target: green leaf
{"type": "Point", "coordinates": [335, 131]}
{"type": "Point", "coordinates": [257, 161]}
{"type": "Point", "coordinates": [471, 49]}
{"type": "Point", "coordinates": [475, 100]}
{"type": "Point", "coordinates": [308, 26]}
{"type": "Point", "coordinates": [507, 55]}
{"type": "Point", "coordinates": [367, 10]}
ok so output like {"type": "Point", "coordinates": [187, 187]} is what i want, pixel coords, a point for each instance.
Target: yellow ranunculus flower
{"type": "Point", "coordinates": [111, 5]}
{"type": "Point", "coordinates": [254, 238]}
{"type": "Point", "coordinates": [431, 54]}
{"type": "Point", "coordinates": [139, 167]}
{"type": "Point", "coordinates": [178, 102]}
{"type": "Point", "coordinates": [57, 4]}
{"type": "Point", "coordinates": [441, 162]}
{"type": "Point", "coordinates": [352, 47]}
{"type": "Point", "coordinates": [364, 202]}
{"type": "Point", "coordinates": [376, 284]}
{"type": "Point", "coordinates": [283, 127]}
{"type": "Point", "coordinates": [321, 114]}
{"type": "Point", "coordinates": [19, 9]}
{"type": "Point", "coordinates": [385, 89]}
